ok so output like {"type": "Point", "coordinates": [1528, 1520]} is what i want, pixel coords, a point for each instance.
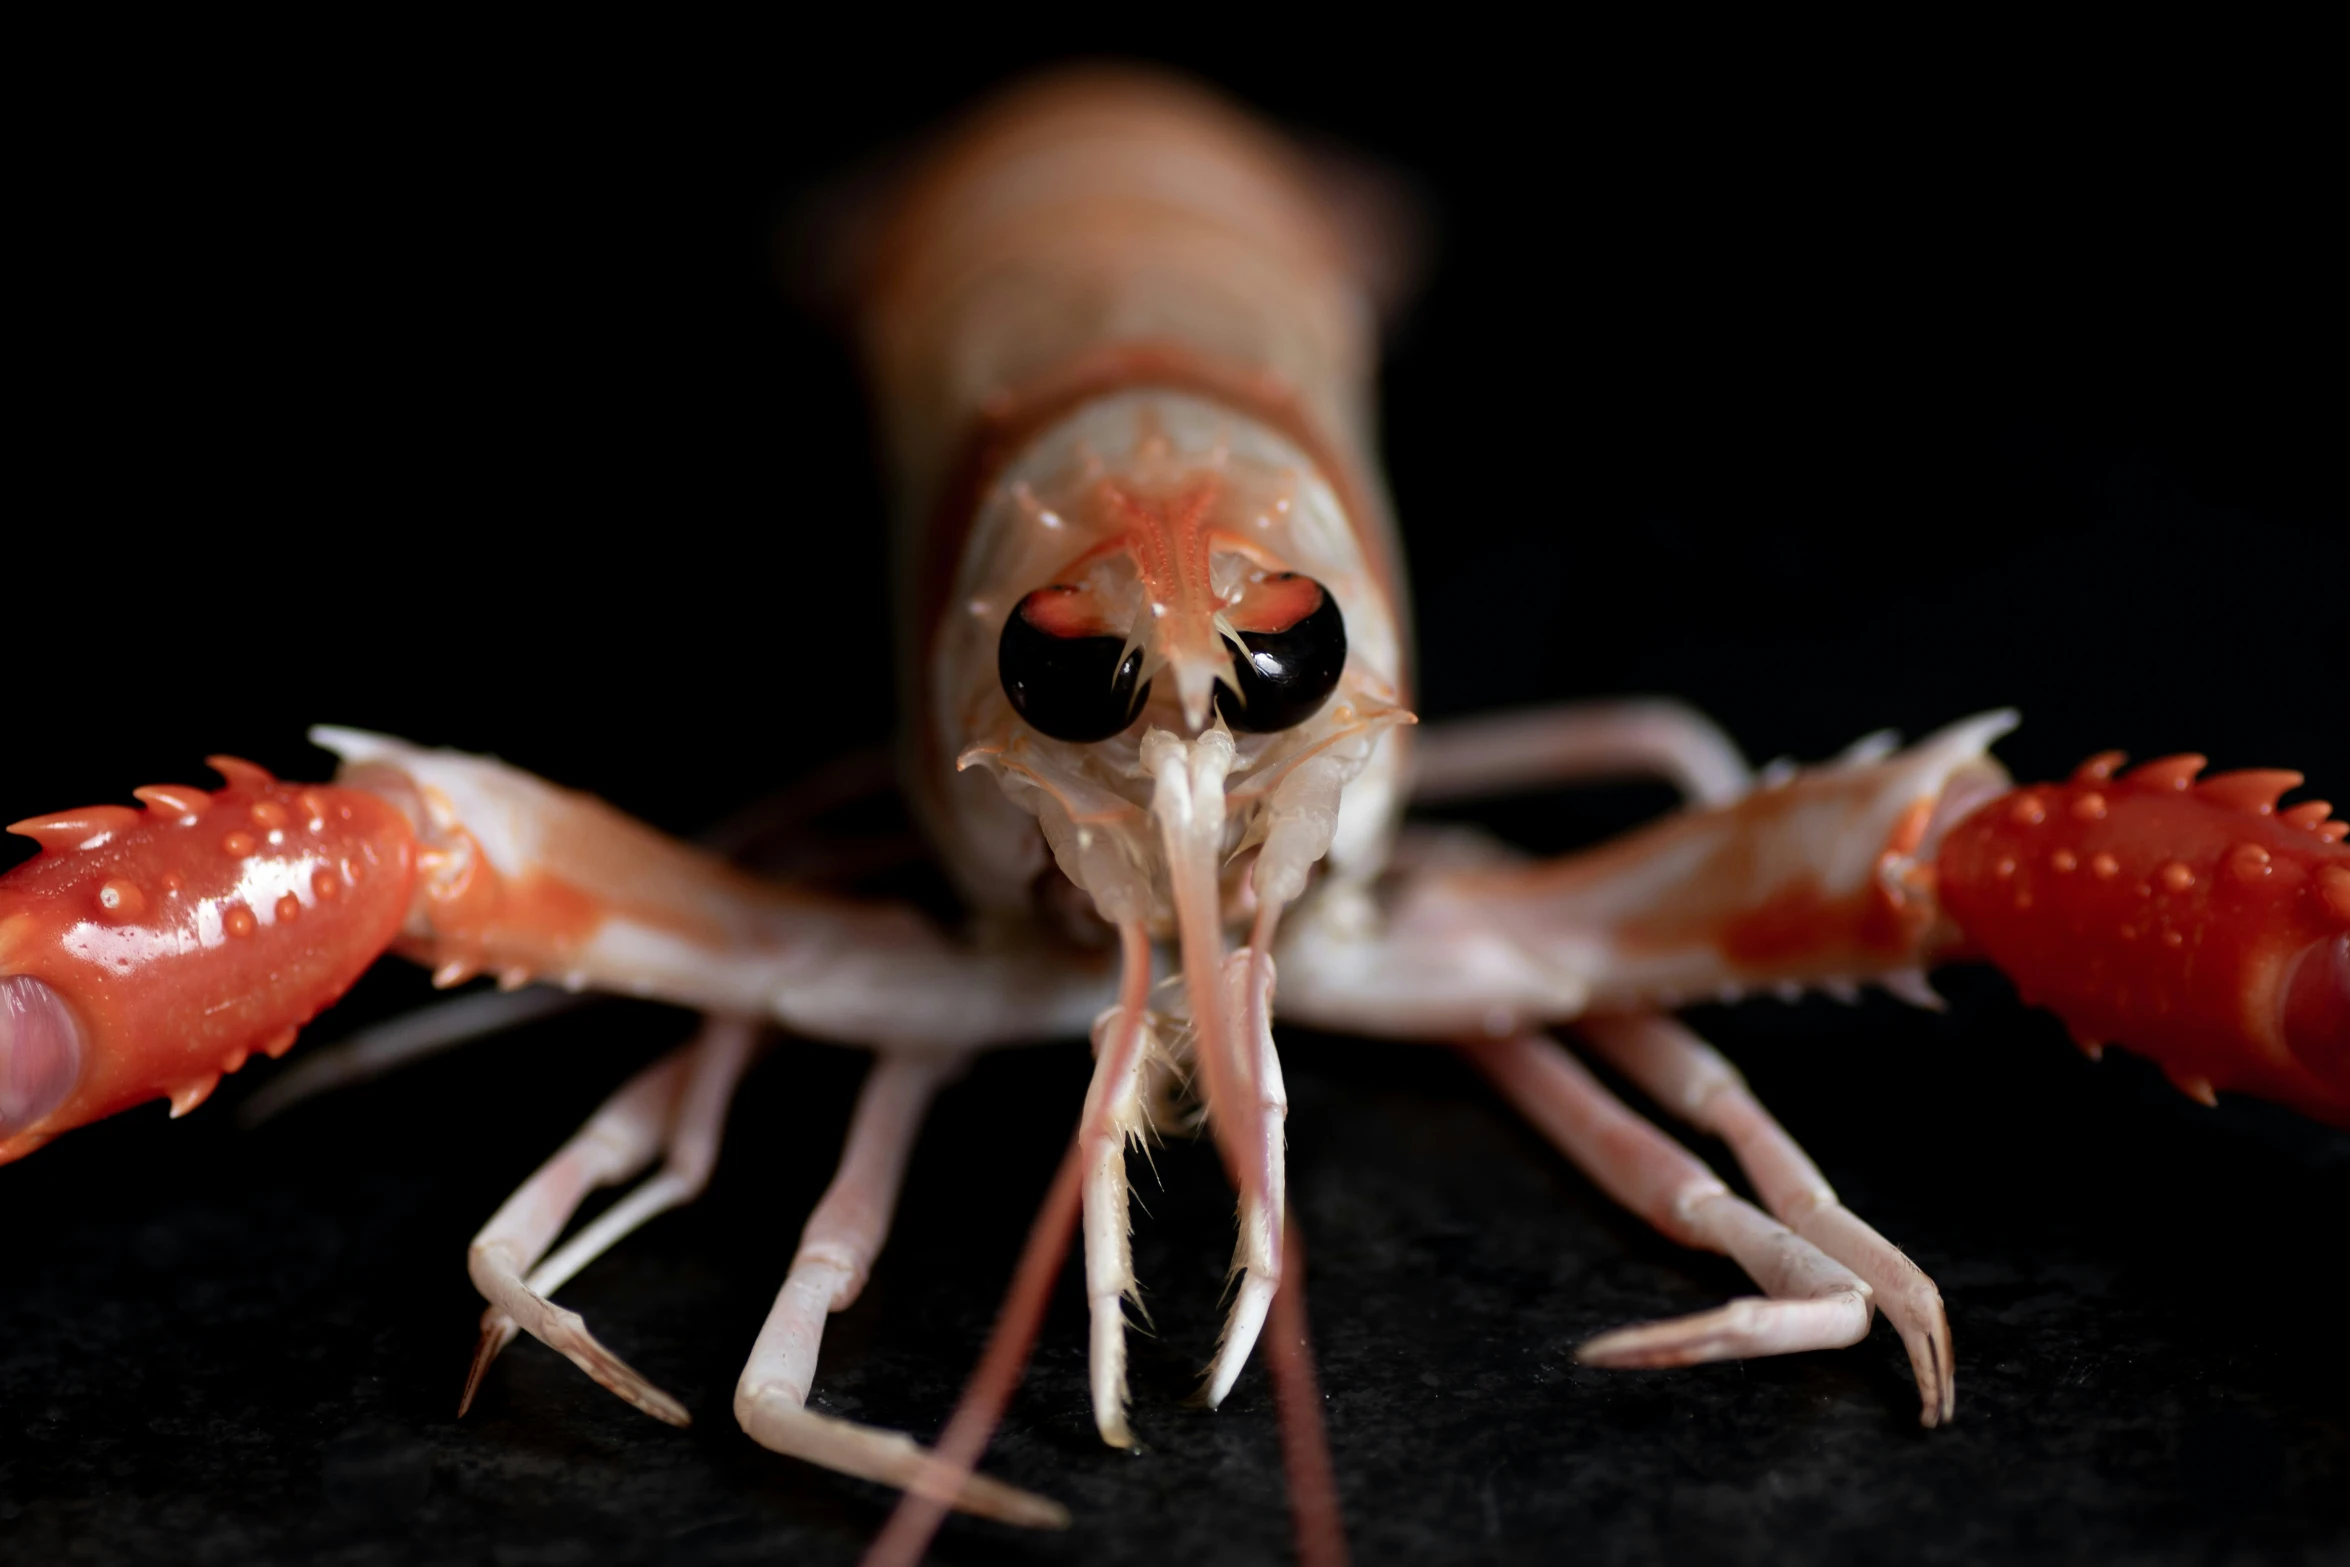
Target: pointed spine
{"type": "Point", "coordinates": [91, 827]}
{"type": "Point", "coordinates": [173, 799]}
{"type": "Point", "coordinates": [2168, 772]}
{"type": "Point", "coordinates": [240, 773]}
{"type": "Point", "coordinates": [2253, 791]}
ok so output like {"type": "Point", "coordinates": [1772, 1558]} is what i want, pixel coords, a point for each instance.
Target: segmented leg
{"type": "Point", "coordinates": [1264, 1202]}
{"type": "Point", "coordinates": [1115, 1114]}
{"type": "Point", "coordinates": [772, 835]}
{"type": "Point", "coordinates": [1690, 1078]}
{"type": "Point", "coordinates": [1813, 1301]}
{"type": "Point", "coordinates": [1471, 758]}
{"type": "Point", "coordinates": [679, 1104]}
{"type": "Point", "coordinates": [944, 1473]}
{"type": "Point", "coordinates": [836, 1253]}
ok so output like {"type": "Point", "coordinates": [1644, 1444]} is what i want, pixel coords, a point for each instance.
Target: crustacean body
{"type": "Point", "coordinates": [1157, 689]}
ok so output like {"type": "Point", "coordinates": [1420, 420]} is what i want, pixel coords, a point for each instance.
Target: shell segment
{"type": "Point", "coordinates": [2183, 916]}
{"type": "Point", "coordinates": [146, 952]}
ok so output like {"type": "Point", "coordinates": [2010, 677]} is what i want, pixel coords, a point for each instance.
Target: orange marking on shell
{"type": "Point", "coordinates": [2028, 811]}
{"type": "Point", "coordinates": [2089, 807]}
{"type": "Point", "coordinates": [268, 815]}
{"type": "Point", "coordinates": [2250, 862]}
{"type": "Point", "coordinates": [174, 799]}
{"type": "Point", "coordinates": [238, 920]}
{"type": "Point", "coordinates": [280, 1042]}
{"type": "Point", "coordinates": [1802, 922]}
{"type": "Point", "coordinates": [289, 908]}
{"type": "Point", "coordinates": [238, 845]}
{"type": "Point", "coordinates": [2253, 790]}
{"type": "Point", "coordinates": [2065, 861]}
{"type": "Point", "coordinates": [2168, 772]}
{"type": "Point", "coordinates": [2099, 768]}
{"type": "Point", "coordinates": [326, 886]}
{"type": "Point", "coordinates": [2176, 876]}
{"type": "Point", "coordinates": [92, 827]}
{"type": "Point", "coordinates": [1061, 609]}
{"type": "Point", "coordinates": [2005, 869]}
{"type": "Point", "coordinates": [2104, 867]}
{"type": "Point", "coordinates": [1271, 603]}
{"type": "Point", "coordinates": [248, 777]}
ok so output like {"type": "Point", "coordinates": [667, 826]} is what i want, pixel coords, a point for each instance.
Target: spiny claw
{"type": "Point", "coordinates": [2190, 921]}
{"type": "Point", "coordinates": [143, 953]}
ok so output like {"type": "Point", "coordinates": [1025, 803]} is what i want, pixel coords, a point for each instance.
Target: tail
{"type": "Point", "coordinates": [2191, 921]}
{"type": "Point", "coordinates": [144, 953]}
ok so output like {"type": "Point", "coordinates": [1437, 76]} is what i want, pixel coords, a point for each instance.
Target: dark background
{"type": "Point", "coordinates": [452, 391]}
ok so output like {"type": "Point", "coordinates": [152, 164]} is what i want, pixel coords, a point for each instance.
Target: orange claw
{"type": "Point", "coordinates": [2190, 921]}
{"type": "Point", "coordinates": [143, 953]}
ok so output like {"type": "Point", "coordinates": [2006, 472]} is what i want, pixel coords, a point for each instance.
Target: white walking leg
{"type": "Point", "coordinates": [1689, 1077]}
{"type": "Point", "coordinates": [1115, 1114]}
{"type": "Point", "coordinates": [1248, 989]}
{"type": "Point", "coordinates": [679, 1104]}
{"type": "Point", "coordinates": [1814, 1302]}
{"type": "Point", "coordinates": [1470, 758]}
{"type": "Point", "coordinates": [836, 1252]}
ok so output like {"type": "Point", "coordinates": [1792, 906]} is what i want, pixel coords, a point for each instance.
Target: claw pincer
{"type": "Point", "coordinates": [2192, 922]}
{"type": "Point", "coordinates": [143, 953]}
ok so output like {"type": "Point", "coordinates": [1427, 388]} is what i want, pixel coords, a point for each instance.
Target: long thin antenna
{"type": "Point", "coordinates": [1305, 1451]}
{"type": "Point", "coordinates": [925, 1503]}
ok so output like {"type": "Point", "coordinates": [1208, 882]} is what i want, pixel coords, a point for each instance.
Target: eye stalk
{"type": "Point", "coordinates": [1065, 674]}
{"type": "Point", "coordinates": [1295, 650]}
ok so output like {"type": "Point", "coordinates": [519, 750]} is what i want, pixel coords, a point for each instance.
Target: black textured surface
{"type": "Point", "coordinates": [230, 1348]}
{"type": "Point", "coordinates": [1823, 409]}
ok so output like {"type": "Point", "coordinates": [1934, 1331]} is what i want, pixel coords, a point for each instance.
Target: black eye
{"type": "Point", "coordinates": [1064, 678]}
{"type": "Point", "coordinates": [1290, 671]}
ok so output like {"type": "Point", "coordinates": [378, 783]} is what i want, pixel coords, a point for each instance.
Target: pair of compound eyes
{"type": "Point", "coordinates": [1087, 686]}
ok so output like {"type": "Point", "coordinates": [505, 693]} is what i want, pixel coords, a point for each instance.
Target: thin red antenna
{"type": "Point", "coordinates": [924, 1506]}
{"type": "Point", "coordinates": [1297, 1394]}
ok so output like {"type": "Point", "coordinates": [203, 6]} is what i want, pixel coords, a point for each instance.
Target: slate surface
{"type": "Point", "coordinates": [1820, 408]}
{"type": "Point", "coordinates": [241, 1348]}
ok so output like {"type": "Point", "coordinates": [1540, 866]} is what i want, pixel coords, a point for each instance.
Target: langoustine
{"type": "Point", "coordinates": [1212, 369]}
